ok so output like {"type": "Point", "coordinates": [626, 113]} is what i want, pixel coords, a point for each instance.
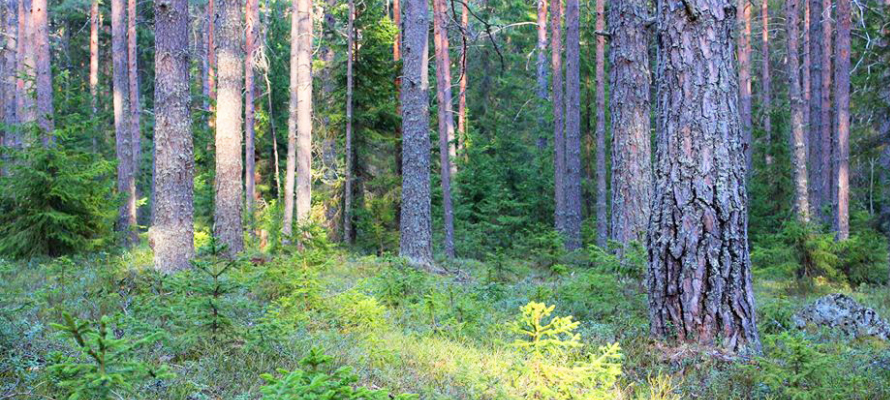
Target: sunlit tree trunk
{"type": "Point", "coordinates": [798, 152]}
{"type": "Point", "coordinates": [631, 150]}
{"type": "Point", "coordinates": [543, 94]}
{"type": "Point", "coordinates": [744, 58]}
{"type": "Point", "coordinates": [446, 121]}
{"type": "Point", "coordinates": [227, 205]}
{"type": "Point", "coordinates": [126, 182]}
{"type": "Point", "coordinates": [415, 243]}
{"type": "Point", "coordinates": [252, 17]}
{"type": "Point", "coordinates": [461, 139]}
{"type": "Point", "coordinates": [842, 97]}
{"type": "Point", "coordinates": [602, 217]}
{"type": "Point", "coordinates": [172, 232]}
{"type": "Point", "coordinates": [94, 56]}
{"type": "Point", "coordinates": [8, 71]}
{"type": "Point", "coordinates": [40, 22]}
{"type": "Point", "coordinates": [304, 110]}
{"type": "Point", "coordinates": [559, 147]}
{"type": "Point", "coordinates": [699, 278]}
{"type": "Point", "coordinates": [291, 163]}
{"type": "Point", "coordinates": [766, 79]}
{"type": "Point", "coordinates": [347, 196]}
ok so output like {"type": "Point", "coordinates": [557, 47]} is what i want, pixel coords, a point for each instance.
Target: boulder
{"type": "Point", "coordinates": [840, 311]}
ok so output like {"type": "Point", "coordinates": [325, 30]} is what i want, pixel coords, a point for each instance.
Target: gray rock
{"type": "Point", "coordinates": [840, 311]}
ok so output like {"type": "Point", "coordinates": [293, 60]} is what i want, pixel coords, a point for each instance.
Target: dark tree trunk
{"type": "Point", "coordinates": [415, 243]}
{"type": "Point", "coordinates": [251, 38]}
{"type": "Point", "coordinates": [699, 276]}
{"type": "Point", "coordinates": [827, 185]}
{"type": "Point", "coordinates": [8, 71]}
{"type": "Point", "coordinates": [133, 81]}
{"type": "Point", "coordinates": [126, 182]}
{"type": "Point", "coordinates": [631, 153]}
{"type": "Point", "coordinates": [559, 147]}
{"type": "Point", "coordinates": [446, 121]}
{"type": "Point", "coordinates": [744, 54]}
{"type": "Point", "coordinates": [602, 212]}
{"type": "Point", "coordinates": [798, 151]}
{"type": "Point", "coordinates": [541, 74]}
{"type": "Point", "coordinates": [805, 72]}
{"type": "Point", "coordinates": [227, 206]}
{"type": "Point", "coordinates": [172, 232]}
{"type": "Point", "coordinates": [814, 124]}
{"type": "Point", "coordinates": [766, 79]}
{"type": "Point", "coordinates": [842, 97]}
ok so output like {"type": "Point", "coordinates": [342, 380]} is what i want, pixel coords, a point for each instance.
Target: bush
{"type": "Point", "coordinates": [55, 202]}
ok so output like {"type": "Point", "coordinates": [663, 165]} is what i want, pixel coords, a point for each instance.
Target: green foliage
{"type": "Point", "coordinates": [110, 366]}
{"type": "Point", "coordinates": [54, 202]}
{"type": "Point", "coordinates": [319, 381]}
{"type": "Point", "coordinates": [541, 337]}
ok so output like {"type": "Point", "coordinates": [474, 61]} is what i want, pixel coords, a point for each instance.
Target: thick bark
{"type": "Point", "coordinates": [817, 44]}
{"type": "Point", "coordinates": [172, 232]}
{"type": "Point", "coordinates": [304, 110]}
{"type": "Point", "coordinates": [744, 58]}
{"type": "Point", "coordinates": [446, 121]}
{"type": "Point", "coordinates": [825, 122]}
{"type": "Point", "coordinates": [25, 66]}
{"type": "Point", "coordinates": [699, 276]}
{"type": "Point", "coordinates": [40, 23]}
{"type": "Point", "coordinates": [252, 17]}
{"type": "Point", "coordinates": [842, 98]}
{"type": "Point", "coordinates": [559, 147]}
{"type": "Point", "coordinates": [133, 81]}
{"type": "Point", "coordinates": [798, 151]}
{"type": "Point", "coordinates": [805, 72]}
{"type": "Point", "coordinates": [126, 182]}
{"type": "Point", "coordinates": [94, 56]}
{"type": "Point", "coordinates": [415, 243]}
{"type": "Point", "coordinates": [347, 196]}
{"type": "Point", "coordinates": [631, 149]}
{"type": "Point", "coordinates": [602, 217]}
{"type": "Point", "coordinates": [541, 73]}
{"type": "Point", "coordinates": [227, 205]}
{"type": "Point", "coordinates": [462, 94]}
{"type": "Point", "coordinates": [766, 80]}
{"type": "Point", "coordinates": [203, 54]}
{"type": "Point", "coordinates": [8, 71]}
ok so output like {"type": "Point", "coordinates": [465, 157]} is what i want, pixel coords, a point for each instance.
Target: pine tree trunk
{"type": "Point", "coordinates": [25, 66]}
{"type": "Point", "coordinates": [291, 163]}
{"type": "Point", "coordinates": [347, 196]}
{"type": "Point", "coordinates": [126, 182]}
{"type": "Point", "coordinates": [699, 276]}
{"type": "Point", "coordinates": [541, 73]}
{"type": "Point", "coordinates": [304, 110]}
{"type": "Point", "coordinates": [9, 70]}
{"type": "Point", "coordinates": [744, 58]}
{"type": "Point", "coordinates": [252, 17]}
{"type": "Point", "coordinates": [766, 79]}
{"type": "Point", "coordinates": [461, 139]}
{"type": "Point", "coordinates": [203, 53]}
{"type": "Point", "coordinates": [40, 22]}
{"type": "Point", "coordinates": [211, 53]}
{"type": "Point", "coordinates": [602, 217]}
{"type": "Point", "coordinates": [842, 97]}
{"type": "Point", "coordinates": [334, 217]}
{"type": "Point", "coordinates": [415, 243]}
{"type": "Point", "coordinates": [94, 57]}
{"type": "Point", "coordinates": [805, 71]}
{"type": "Point", "coordinates": [133, 80]}
{"type": "Point", "coordinates": [798, 151]}
{"type": "Point", "coordinates": [559, 147]}
{"type": "Point", "coordinates": [825, 122]}
{"type": "Point", "coordinates": [631, 153]}
{"type": "Point", "coordinates": [227, 206]}
{"type": "Point", "coordinates": [446, 120]}
{"type": "Point", "coordinates": [814, 127]}
{"type": "Point", "coordinates": [172, 232]}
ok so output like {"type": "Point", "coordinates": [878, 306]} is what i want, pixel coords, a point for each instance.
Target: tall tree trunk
{"type": "Point", "coordinates": [347, 196]}
{"type": "Point", "coordinates": [462, 94]}
{"type": "Point", "coordinates": [25, 66]}
{"type": "Point", "coordinates": [825, 122]}
{"type": "Point", "coordinates": [304, 110]}
{"type": "Point", "coordinates": [397, 56]}
{"type": "Point", "coordinates": [291, 163]}
{"type": "Point", "coordinates": [602, 213]}
{"type": "Point", "coordinates": [842, 97]}
{"type": "Point", "coordinates": [211, 52]}
{"type": "Point", "coordinates": [541, 49]}
{"type": "Point", "coordinates": [814, 153]}
{"type": "Point", "coordinates": [415, 243]}
{"type": "Point", "coordinates": [203, 52]}
{"type": "Point", "coordinates": [744, 56]}
{"type": "Point", "coordinates": [133, 81]}
{"type": "Point", "coordinates": [798, 151]}
{"type": "Point", "coordinates": [334, 217]}
{"type": "Point", "coordinates": [126, 180]}
{"type": "Point", "coordinates": [227, 206]}
{"type": "Point", "coordinates": [94, 58]}
{"type": "Point", "coordinates": [631, 153]}
{"type": "Point", "coordinates": [559, 147]}
{"type": "Point", "coordinates": [40, 22]}
{"type": "Point", "coordinates": [252, 17]}
{"type": "Point", "coordinates": [766, 79]}
{"type": "Point", "coordinates": [446, 120]}
{"type": "Point", "coordinates": [9, 70]}
{"type": "Point", "coordinates": [805, 72]}
{"type": "Point", "coordinates": [172, 232]}
{"type": "Point", "coordinates": [699, 276]}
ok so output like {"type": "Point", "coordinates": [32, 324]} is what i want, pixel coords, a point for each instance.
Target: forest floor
{"type": "Point", "coordinates": [210, 333]}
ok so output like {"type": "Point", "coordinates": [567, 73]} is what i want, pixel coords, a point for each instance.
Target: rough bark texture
{"type": "Point", "coordinates": [602, 212]}
{"type": "Point", "coordinates": [842, 97]}
{"type": "Point", "coordinates": [291, 163]}
{"type": "Point", "coordinates": [227, 202]}
{"type": "Point", "coordinates": [133, 81]}
{"type": "Point", "coordinates": [347, 196]}
{"type": "Point", "coordinates": [203, 53]}
{"type": "Point", "coordinates": [699, 276]}
{"type": "Point", "coordinates": [631, 149]}
{"type": "Point", "coordinates": [415, 242]}
{"type": "Point", "coordinates": [446, 121]}
{"type": "Point", "coordinates": [172, 232]}
{"type": "Point", "coordinates": [126, 182]}
{"type": "Point", "coordinates": [798, 150]}
{"type": "Point", "coordinates": [825, 123]}
{"type": "Point", "coordinates": [559, 147]}
{"type": "Point", "coordinates": [8, 70]}
{"type": "Point", "coordinates": [252, 36]}
{"type": "Point", "coordinates": [744, 58]}
{"type": "Point", "coordinates": [541, 73]}
{"type": "Point", "coordinates": [94, 54]}
{"type": "Point", "coordinates": [211, 51]}
{"type": "Point", "coordinates": [806, 70]}
{"type": "Point", "coordinates": [814, 124]}
{"type": "Point", "coordinates": [40, 23]}
{"type": "Point", "coordinates": [461, 138]}
{"type": "Point", "coordinates": [304, 110]}
{"type": "Point", "coordinates": [25, 65]}
{"type": "Point", "coordinates": [766, 81]}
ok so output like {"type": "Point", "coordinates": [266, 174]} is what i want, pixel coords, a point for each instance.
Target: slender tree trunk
{"type": "Point", "coordinates": [334, 216]}
{"type": "Point", "coordinates": [766, 80]}
{"type": "Point", "coordinates": [814, 154]}
{"type": "Point", "coordinates": [126, 182]}
{"type": "Point", "coordinates": [203, 52]}
{"type": "Point", "coordinates": [542, 92]}
{"type": "Point", "coordinates": [252, 17]}
{"type": "Point", "coordinates": [744, 56]}
{"type": "Point", "coordinates": [94, 58]}
{"type": "Point", "coordinates": [805, 72]}
{"type": "Point", "coordinates": [462, 95]}
{"type": "Point", "coordinates": [25, 65]}
{"type": "Point", "coordinates": [446, 120]}
{"type": "Point", "coordinates": [347, 196]}
{"type": "Point", "coordinates": [699, 276]}
{"type": "Point", "coordinates": [40, 22]}
{"type": "Point", "coordinates": [9, 69]}
{"type": "Point", "coordinates": [227, 211]}
{"type": "Point", "coordinates": [304, 110]}
{"type": "Point", "coordinates": [825, 122]}
{"type": "Point", "coordinates": [397, 56]}
{"type": "Point", "coordinates": [631, 150]}
{"type": "Point", "coordinates": [559, 147]}
{"type": "Point", "coordinates": [291, 163]}
{"type": "Point", "coordinates": [842, 97]}
{"type": "Point", "coordinates": [211, 52]}
{"type": "Point", "coordinates": [798, 152]}
{"type": "Point", "coordinates": [415, 243]}
{"type": "Point", "coordinates": [133, 81]}
{"type": "Point", "coordinates": [602, 213]}
{"type": "Point", "coordinates": [172, 232]}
